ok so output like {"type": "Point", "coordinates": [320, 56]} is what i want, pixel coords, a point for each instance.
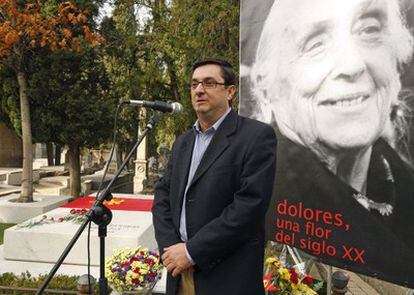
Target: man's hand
{"type": "Point", "coordinates": [175, 259]}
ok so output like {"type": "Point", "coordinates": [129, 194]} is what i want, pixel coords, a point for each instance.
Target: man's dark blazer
{"type": "Point", "coordinates": [225, 206]}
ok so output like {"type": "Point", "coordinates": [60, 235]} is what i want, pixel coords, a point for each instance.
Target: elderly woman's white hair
{"type": "Point", "coordinates": [267, 71]}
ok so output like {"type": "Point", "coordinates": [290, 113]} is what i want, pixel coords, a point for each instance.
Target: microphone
{"type": "Point", "coordinates": [175, 108]}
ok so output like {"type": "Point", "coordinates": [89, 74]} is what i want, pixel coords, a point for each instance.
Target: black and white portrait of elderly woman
{"type": "Point", "coordinates": [327, 74]}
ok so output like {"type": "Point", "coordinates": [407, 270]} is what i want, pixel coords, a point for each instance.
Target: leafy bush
{"type": "Point", "coordinates": [26, 280]}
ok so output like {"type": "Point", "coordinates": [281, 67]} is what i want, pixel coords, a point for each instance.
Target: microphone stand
{"type": "Point", "coordinates": [102, 216]}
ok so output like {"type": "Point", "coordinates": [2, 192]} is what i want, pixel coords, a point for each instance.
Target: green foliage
{"type": "Point", "coordinates": [9, 100]}
{"type": "Point", "coordinates": [26, 280]}
{"type": "Point", "coordinates": [192, 31]}
{"type": "Point", "coordinates": [121, 63]}
{"type": "Point", "coordinates": [70, 100]}
{"type": "Point", "coordinates": [73, 105]}
{"type": "Point", "coordinates": [153, 59]}
{"type": "Point", "coordinates": [148, 54]}
{"type": "Point", "coordinates": [3, 227]}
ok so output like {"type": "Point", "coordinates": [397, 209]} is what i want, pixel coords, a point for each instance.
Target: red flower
{"type": "Point", "coordinates": [136, 270]}
{"type": "Point", "coordinates": [149, 261]}
{"type": "Point", "coordinates": [308, 280]}
{"type": "Point", "coordinates": [271, 288]}
{"type": "Point", "coordinates": [61, 219]}
{"type": "Point", "coordinates": [83, 211]}
{"type": "Point", "coordinates": [72, 211]}
{"type": "Point", "coordinates": [125, 264]}
{"type": "Point", "coordinates": [294, 277]}
{"type": "Point", "coordinates": [135, 281]}
{"type": "Point", "coordinates": [133, 259]}
{"type": "Point", "coordinates": [151, 274]}
{"type": "Point", "coordinates": [78, 211]}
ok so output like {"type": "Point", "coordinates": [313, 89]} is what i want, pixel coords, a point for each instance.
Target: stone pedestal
{"type": "Point", "coordinates": [13, 176]}
{"type": "Point", "coordinates": [40, 151]}
{"type": "Point", "coordinates": [140, 166]}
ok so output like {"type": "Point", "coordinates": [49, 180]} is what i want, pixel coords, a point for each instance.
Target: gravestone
{"type": "Point", "coordinates": [35, 240]}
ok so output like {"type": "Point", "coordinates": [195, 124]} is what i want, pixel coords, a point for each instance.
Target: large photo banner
{"type": "Point", "coordinates": [335, 80]}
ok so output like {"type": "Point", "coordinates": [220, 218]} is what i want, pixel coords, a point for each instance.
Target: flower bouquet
{"type": "Point", "coordinates": [280, 278]}
{"type": "Point", "coordinates": [133, 270]}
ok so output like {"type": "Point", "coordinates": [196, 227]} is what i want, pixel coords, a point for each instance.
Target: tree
{"type": "Point", "coordinates": [73, 105]}
{"type": "Point", "coordinates": [70, 102]}
{"type": "Point", "coordinates": [121, 56]}
{"type": "Point", "coordinates": [182, 32]}
{"type": "Point", "coordinates": [26, 25]}
{"type": "Point", "coordinates": [151, 57]}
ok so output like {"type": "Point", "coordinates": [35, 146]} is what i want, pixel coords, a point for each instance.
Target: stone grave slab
{"type": "Point", "coordinates": [14, 175]}
{"type": "Point", "coordinates": [3, 176]}
{"type": "Point", "coordinates": [12, 212]}
{"type": "Point", "coordinates": [6, 189]}
{"type": "Point", "coordinates": [39, 162]}
{"type": "Point", "coordinates": [45, 241]}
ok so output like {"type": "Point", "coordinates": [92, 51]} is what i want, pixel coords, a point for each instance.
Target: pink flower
{"type": "Point", "coordinates": [72, 211]}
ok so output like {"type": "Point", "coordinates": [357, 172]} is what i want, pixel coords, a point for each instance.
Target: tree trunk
{"type": "Point", "coordinates": [26, 194]}
{"type": "Point", "coordinates": [173, 78]}
{"type": "Point", "coordinates": [74, 170]}
{"type": "Point", "coordinates": [49, 152]}
{"type": "Point", "coordinates": [58, 151]}
{"type": "Point", "coordinates": [118, 157]}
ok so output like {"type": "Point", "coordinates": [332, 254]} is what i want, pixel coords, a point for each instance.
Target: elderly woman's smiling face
{"type": "Point", "coordinates": [337, 73]}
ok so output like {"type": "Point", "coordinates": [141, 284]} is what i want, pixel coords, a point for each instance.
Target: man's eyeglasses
{"type": "Point", "coordinates": [207, 84]}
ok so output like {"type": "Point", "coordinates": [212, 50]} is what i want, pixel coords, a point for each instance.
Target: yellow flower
{"type": "Point", "coordinates": [272, 262]}
{"type": "Point", "coordinates": [284, 274]}
{"type": "Point", "coordinates": [302, 289]}
{"type": "Point", "coordinates": [122, 268]}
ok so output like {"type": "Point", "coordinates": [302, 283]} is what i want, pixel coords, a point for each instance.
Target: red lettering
{"type": "Point", "coordinates": [281, 207]}
{"type": "Point", "coordinates": [347, 253]}
{"type": "Point", "coordinates": [359, 256]}
{"type": "Point", "coordinates": [327, 217]}
{"type": "Point", "coordinates": [294, 209]}
{"type": "Point", "coordinates": [338, 220]}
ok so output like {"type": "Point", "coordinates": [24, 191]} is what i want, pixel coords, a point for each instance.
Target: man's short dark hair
{"type": "Point", "coordinates": [227, 70]}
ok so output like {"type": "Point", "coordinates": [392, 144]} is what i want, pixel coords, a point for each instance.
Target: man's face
{"type": "Point", "coordinates": [212, 102]}
{"type": "Point", "coordinates": [338, 74]}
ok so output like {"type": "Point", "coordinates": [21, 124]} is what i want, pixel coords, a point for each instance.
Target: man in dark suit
{"type": "Point", "coordinates": [210, 205]}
